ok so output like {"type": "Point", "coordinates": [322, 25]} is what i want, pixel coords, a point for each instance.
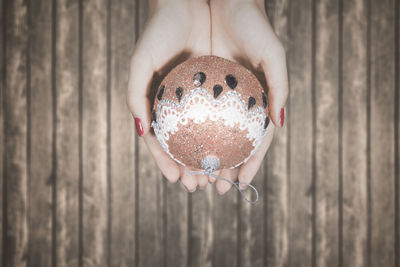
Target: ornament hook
{"type": "Point", "coordinates": [210, 164]}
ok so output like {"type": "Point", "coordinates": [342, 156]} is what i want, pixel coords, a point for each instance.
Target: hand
{"type": "Point", "coordinates": [241, 32]}
{"type": "Point", "coordinates": [175, 27]}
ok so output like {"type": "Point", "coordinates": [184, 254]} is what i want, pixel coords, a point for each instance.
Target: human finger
{"type": "Point", "coordinates": [249, 169]}
{"type": "Point", "coordinates": [229, 174]}
{"type": "Point", "coordinates": [168, 166]}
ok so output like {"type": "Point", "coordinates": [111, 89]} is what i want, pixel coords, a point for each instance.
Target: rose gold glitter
{"type": "Point", "coordinates": [193, 142]}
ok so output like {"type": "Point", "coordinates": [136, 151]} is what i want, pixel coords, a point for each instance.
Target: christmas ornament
{"type": "Point", "coordinates": [210, 113]}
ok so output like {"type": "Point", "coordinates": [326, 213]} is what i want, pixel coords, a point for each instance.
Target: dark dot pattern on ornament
{"type": "Point", "coordinates": [252, 102]}
{"type": "Point", "coordinates": [217, 90]}
{"type": "Point", "coordinates": [199, 78]}
{"type": "Point", "coordinates": [231, 81]}
{"type": "Point", "coordinates": [153, 115]}
{"type": "Point", "coordinates": [161, 92]}
{"type": "Point", "coordinates": [266, 122]}
{"type": "Point", "coordinates": [264, 98]}
{"type": "Point", "coordinates": [179, 93]}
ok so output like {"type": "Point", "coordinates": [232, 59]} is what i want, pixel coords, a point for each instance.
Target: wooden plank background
{"type": "Point", "coordinates": [79, 188]}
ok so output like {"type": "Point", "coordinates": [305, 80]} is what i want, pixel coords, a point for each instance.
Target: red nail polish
{"type": "Point", "coordinates": [282, 116]}
{"type": "Point", "coordinates": [139, 126]}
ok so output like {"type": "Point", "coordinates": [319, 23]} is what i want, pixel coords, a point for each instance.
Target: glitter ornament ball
{"type": "Point", "coordinates": [210, 113]}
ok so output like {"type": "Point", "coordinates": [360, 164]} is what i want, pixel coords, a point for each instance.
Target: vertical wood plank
{"type": "Point", "coordinates": [354, 134]}
{"type": "Point", "coordinates": [41, 140]}
{"type": "Point", "coordinates": [94, 133]}
{"type": "Point", "coordinates": [276, 165]}
{"type": "Point", "coordinates": [151, 245]}
{"type": "Point", "coordinates": [225, 216]}
{"type": "Point", "coordinates": [201, 243]}
{"type": "Point", "coordinates": [382, 133]}
{"type": "Point", "coordinates": [67, 134]}
{"type": "Point", "coordinates": [176, 228]}
{"type": "Point", "coordinates": [327, 133]}
{"type": "Point", "coordinates": [16, 239]}
{"type": "Point", "coordinates": [122, 137]}
{"type": "Point", "coordinates": [251, 226]}
{"type": "Point", "coordinates": [151, 248]}
{"type": "Point", "coordinates": [300, 130]}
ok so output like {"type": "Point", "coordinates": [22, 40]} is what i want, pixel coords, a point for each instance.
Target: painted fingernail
{"type": "Point", "coordinates": [282, 117]}
{"type": "Point", "coordinates": [139, 126]}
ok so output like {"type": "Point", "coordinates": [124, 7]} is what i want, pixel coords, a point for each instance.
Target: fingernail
{"type": "Point", "coordinates": [139, 126]}
{"type": "Point", "coordinates": [242, 186]}
{"type": "Point", "coordinates": [191, 191]}
{"type": "Point", "coordinates": [282, 117]}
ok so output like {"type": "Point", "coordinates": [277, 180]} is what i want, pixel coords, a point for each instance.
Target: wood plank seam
{"type": "Point", "coordinates": [314, 135]}
{"type": "Point", "coordinates": [80, 123]}
{"type": "Point", "coordinates": [4, 105]}
{"type": "Point", "coordinates": [396, 135]}
{"type": "Point", "coordinates": [54, 134]}
{"type": "Point", "coordinates": [108, 135]}
{"type": "Point", "coordinates": [340, 134]}
{"type": "Point", "coordinates": [368, 112]}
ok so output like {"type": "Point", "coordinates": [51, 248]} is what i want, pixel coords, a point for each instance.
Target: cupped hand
{"type": "Point", "coordinates": [241, 32]}
{"type": "Point", "coordinates": [175, 27]}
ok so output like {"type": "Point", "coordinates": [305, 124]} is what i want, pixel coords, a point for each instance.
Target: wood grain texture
{"type": "Point", "coordinates": [225, 233]}
{"type": "Point", "coordinates": [151, 250]}
{"type": "Point", "coordinates": [276, 165]}
{"type": "Point", "coordinates": [251, 225]}
{"type": "Point", "coordinates": [329, 178]}
{"type": "Point", "coordinates": [67, 50]}
{"type": "Point", "coordinates": [16, 135]}
{"type": "Point", "coordinates": [382, 132]}
{"type": "Point", "coordinates": [176, 224]}
{"type": "Point", "coordinates": [327, 135]}
{"type": "Point", "coordinates": [201, 243]}
{"type": "Point", "coordinates": [122, 137]}
{"type": "Point", "coordinates": [354, 134]}
{"type": "Point", "coordinates": [300, 132]}
{"type": "Point", "coordinates": [151, 208]}
{"type": "Point", "coordinates": [41, 173]}
{"type": "Point", "coordinates": [94, 129]}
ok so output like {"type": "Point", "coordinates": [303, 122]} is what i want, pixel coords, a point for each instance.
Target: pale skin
{"type": "Point", "coordinates": [234, 29]}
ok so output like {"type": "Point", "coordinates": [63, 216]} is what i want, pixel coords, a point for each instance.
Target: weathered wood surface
{"type": "Point", "coordinates": [79, 188]}
{"type": "Point", "coordinates": [354, 135]}
{"type": "Point", "coordinates": [276, 198]}
{"type": "Point", "coordinates": [326, 112]}
{"type": "Point", "coordinates": [41, 142]}
{"type": "Point", "coordinates": [67, 137]}
{"type": "Point", "coordinates": [122, 246]}
{"type": "Point", "coordinates": [94, 132]}
{"type": "Point", "coordinates": [300, 126]}
{"type": "Point", "coordinates": [15, 171]}
{"type": "Point", "coordinates": [201, 242]}
{"type": "Point", "coordinates": [381, 130]}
